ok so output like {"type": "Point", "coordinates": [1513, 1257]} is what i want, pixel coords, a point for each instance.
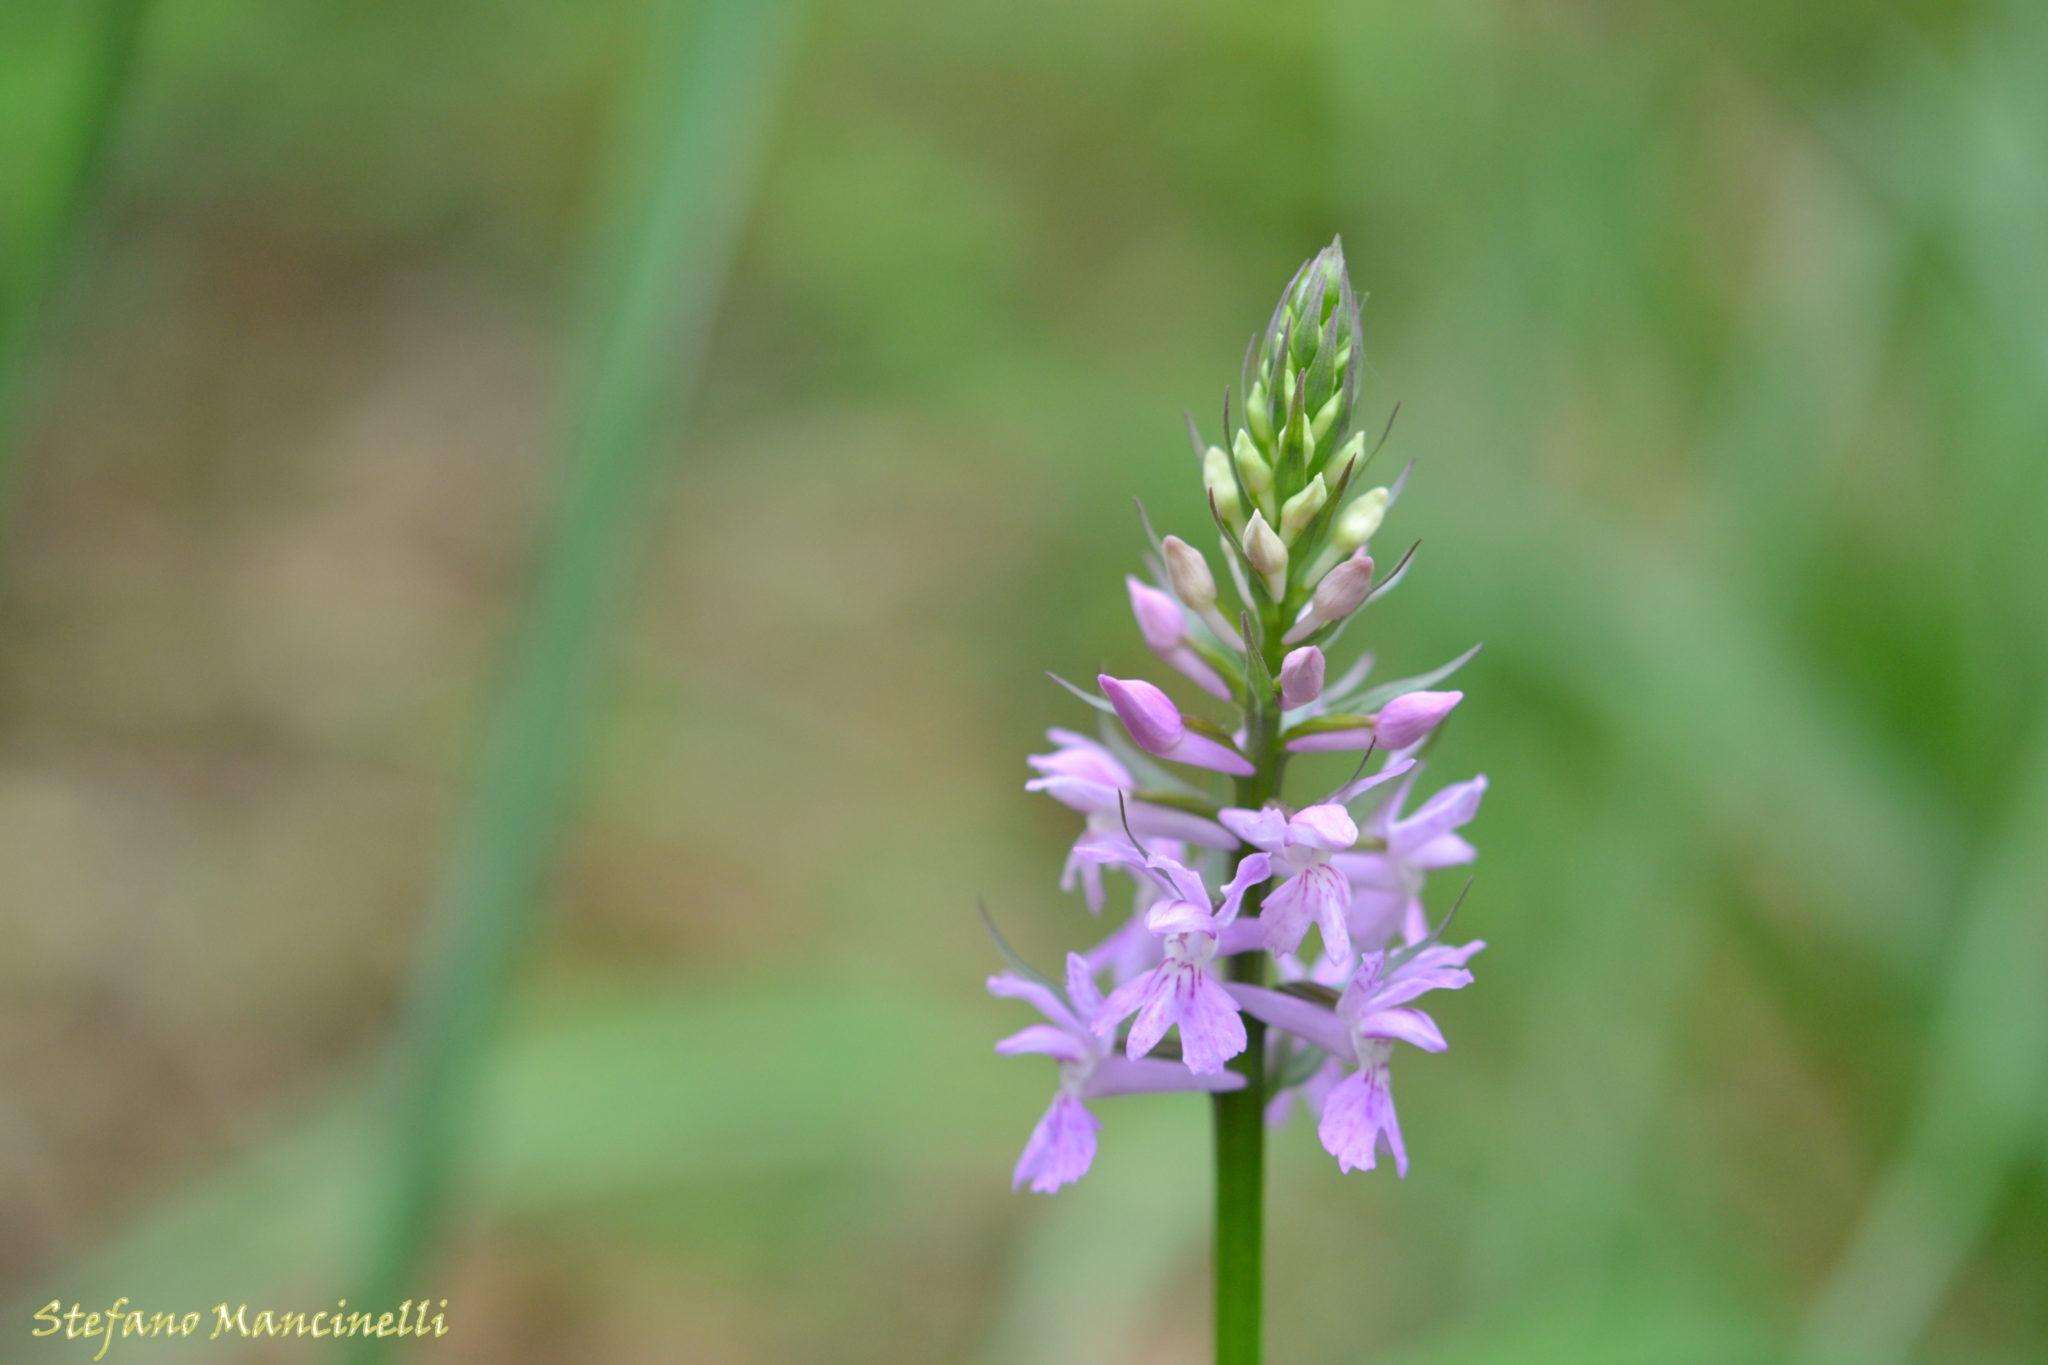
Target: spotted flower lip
{"type": "Point", "coordinates": [1372, 1014]}
{"type": "Point", "coordinates": [1062, 1146]}
{"type": "Point", "coordinates": [1181, 991]}
{"type": "Point", "coordinates": [1314, 892]}
{"type": "Point", "coordinates": [1157, 726]}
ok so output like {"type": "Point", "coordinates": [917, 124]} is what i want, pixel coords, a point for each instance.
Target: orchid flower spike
{"type": "Point", "coordinates": [1162, 999]}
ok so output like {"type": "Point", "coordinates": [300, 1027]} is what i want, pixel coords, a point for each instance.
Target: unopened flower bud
{"type": "Point", "coordinates": [1409, 717]}
{"type": "Point", "coordinates": [1189, 573]}
{"type": "Point", "coordinates": [1320, 424]}
{"type": "Point", "coordinates": [1155, 725]}
{"type": "Point", "coordinates": [1258, 410]}
{"type": "Point", "coordinates": [1267, 554]}
{"type": "Point", "coordinates": [1342, 591]}
{"type": "Point", "coordinates": [1301, 677]}
{"type": "Point", "coordinates": [1343, 588]}
{"type": "Point", "coordinates": [1251, 466]}
{"type": "Point", "coordinates": [1350, 454]}
{"type": "Point", "coordinates": [1301, 509]}
{"type": "Point", "coordinates": [1160, 619]}
{"type": "Point", "coordinates": [1357, 523]}
{"type": "Point", "coordinates": [1221, 484]}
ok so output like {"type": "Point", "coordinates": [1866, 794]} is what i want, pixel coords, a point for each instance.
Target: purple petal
{"type": "Point", "coordinates": [1327, 898]}
{"type": "Point", "coordinates": [1076, 793]}
{"type": "Point", "coordinates": [1407, 1026]}
{"type": "Point", "coordinates": [1446, 850]}
{"type": "Point", "coordinates": [1369, 871]}
{"type": "Point", "coordinates": [1310, 1022]}
{"type": "Point", "coordinates": [1180, 917]}
{"type": "Point", "coordinates": [1050, 1005]}
{"type": "Point", "coordinates": [1240, 936]}
{"type": "Point", "coordinates": [1455, 805]}
{"type": "Point", "coordinates": [1263, 828]}
{"type": "Point", "coordinates": [1044, 1038]}
{"type": "Point", "coordinates": [1061, 1149]}
{"type": "Point", "coordinates": [1357, 1115]}
{"type": "Point", "coordinates": [1146, 1075]}
{"type": "Point", "coordinates": [1252, 869]}
{"type": "Point", "coordinates": [1148, 714]}
{"type": "Point", "coordinates": [1286, 915]}
{"type": "Point", "coordinates": [1180, 881]}
{"type": "Point", "coordinates": [1375, 916]}
{"type": "Point", "coordinates": [1079, 756]}
{"type": "Point", "coordinates": [1200, 751]}
{"type": "Point", "coordinates": [1122, 1002]}
{"type": "Point", "coordinates": [1158, 1009]}
{"type": "Point", "coordinates": [1164, 822]}
{"type": "Point", "coordinates": [1082, 992]}
{"type": "Point", "coordinates": [1328, 828]}
{"type": "Point", "coordinates": [1439, 955]}
{"type": "Point", "coordinates": [1333, 741]}
{"type": "Point", "coordinates": [1211, 1033]}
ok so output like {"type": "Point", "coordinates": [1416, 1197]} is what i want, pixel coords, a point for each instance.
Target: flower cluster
{"type": "Point", "coordinates": [1315, 929]}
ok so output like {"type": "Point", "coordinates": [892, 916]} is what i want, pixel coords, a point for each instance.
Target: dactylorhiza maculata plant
{"type": "Point", "coordinates": [1283, 946]}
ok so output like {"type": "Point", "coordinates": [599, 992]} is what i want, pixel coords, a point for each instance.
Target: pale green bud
{"type": "Point", "coordinates": [1301, 509]}
{"type": "Point", "coordinates": [1322, 422]}
{"type": "Point", "coordinates": [1357, 523]}
{"type": "Point", "coordinates": [1252, 466]}
{"type": "Point", "coordinates": [1221, 484]}
{"type": "Point", "coordinates": [1258, 410]}
{"type": "Point", "coordinates": [1189, 574]}
{"type": "Point", "coordinates": [1267, 554]}
{"type": "Point", "coordinates": [1353, 450]}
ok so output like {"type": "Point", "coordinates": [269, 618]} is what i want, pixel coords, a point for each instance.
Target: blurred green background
{"type": "Point", "coordinates": [1720, 335]}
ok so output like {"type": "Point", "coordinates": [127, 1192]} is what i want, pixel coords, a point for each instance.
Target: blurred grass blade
{"type": "Point", "coordinates": [50, 223]}
{"type": "Point", "coordinates": [1978, 1115]}
{"type": "Point", "coordinates": [650, 285]}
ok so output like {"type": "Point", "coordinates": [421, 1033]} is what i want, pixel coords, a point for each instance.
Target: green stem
{"type": "Point", "coordinates": [1241, 1114]}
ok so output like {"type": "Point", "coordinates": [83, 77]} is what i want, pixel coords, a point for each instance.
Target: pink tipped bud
{"type": "Point", "coordinates": [1149, 714]}
{"type": "Point", "coordinates": [1189, 574]}
{"type": "Point", "coordinates": [1301, 677]}
{"type": "Point", "coordinates": [1343, 588]}
{"type": "Point", "coordinates": [1160, 619]}
{"type": "Point", "coordinates": [1412, 715]}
